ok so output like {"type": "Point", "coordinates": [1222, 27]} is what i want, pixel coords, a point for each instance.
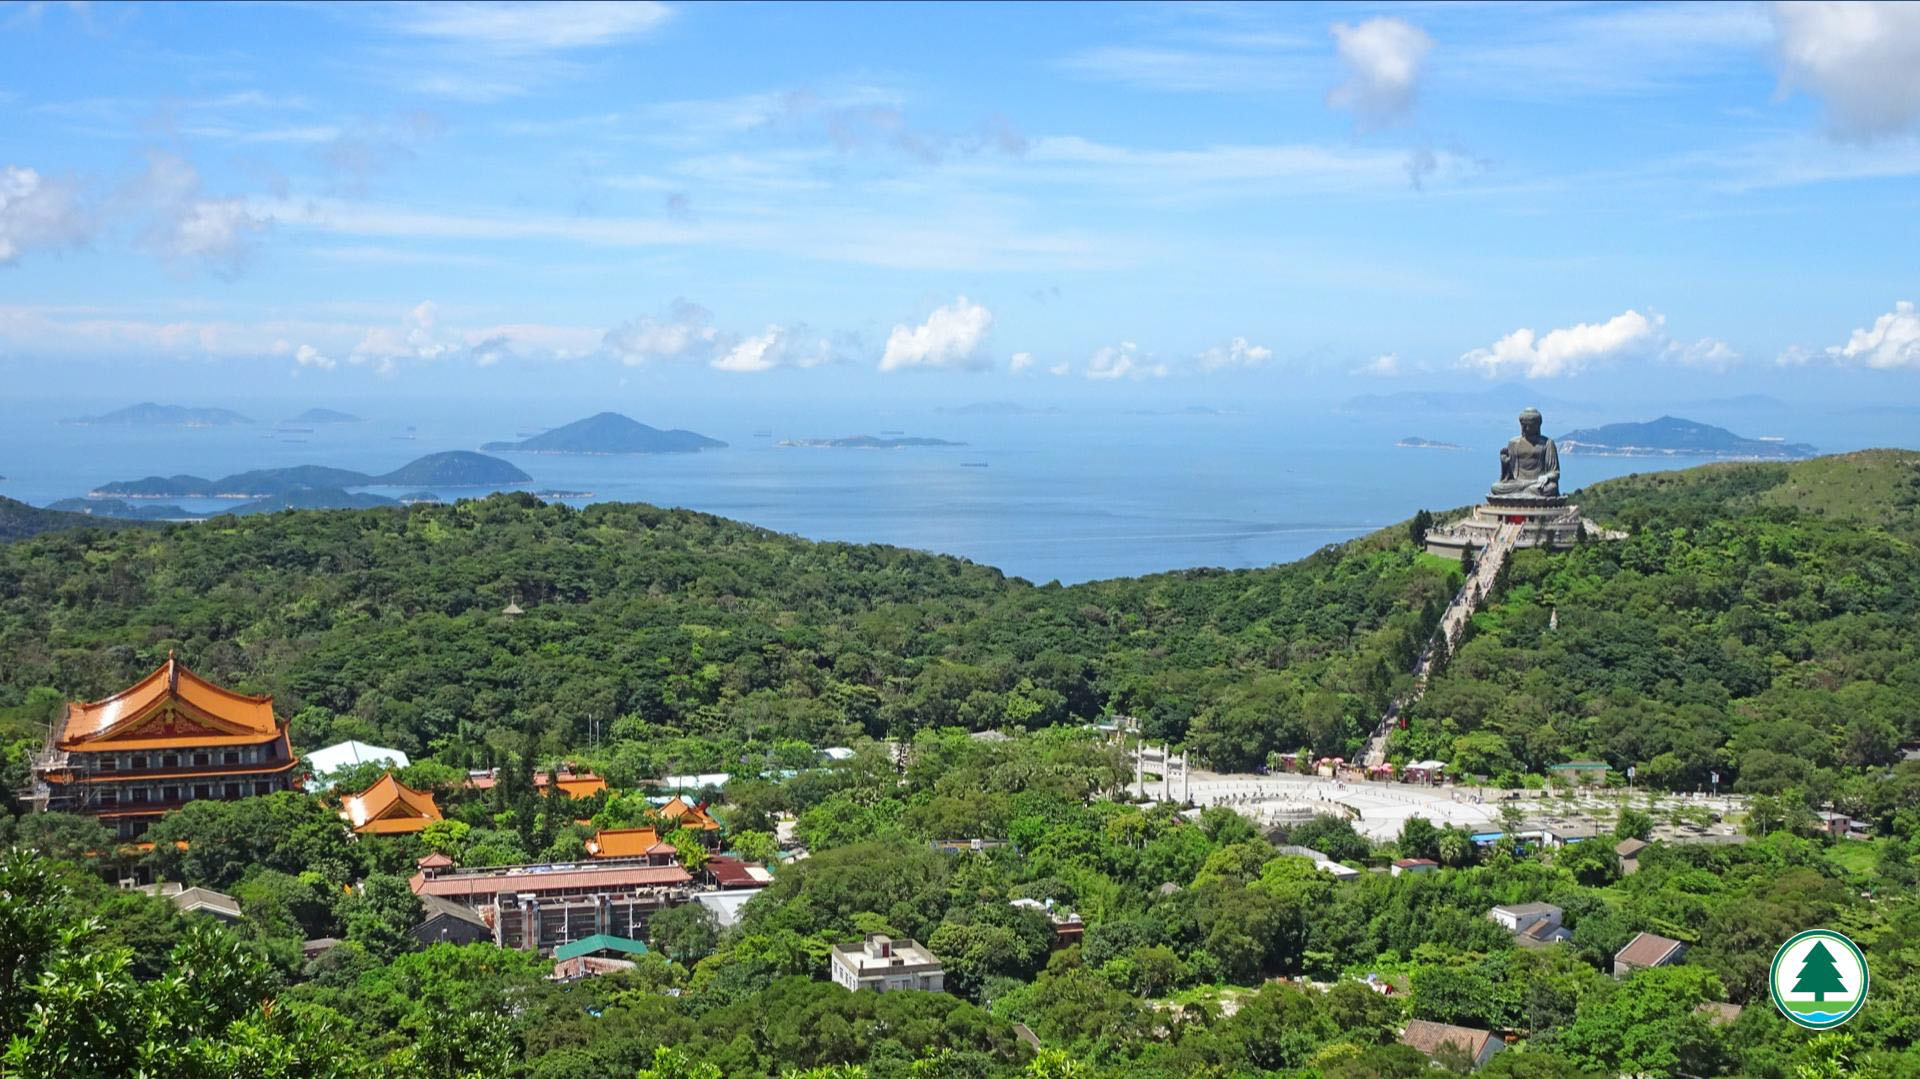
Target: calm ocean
{"type": "Point", "coordinates": [1071, 497]}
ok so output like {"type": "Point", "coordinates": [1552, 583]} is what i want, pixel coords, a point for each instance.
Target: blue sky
{"type": "Point", "coordinates": [1050, 203]}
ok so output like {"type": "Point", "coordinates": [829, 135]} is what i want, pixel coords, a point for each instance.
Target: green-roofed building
{"type": "Point", "coordinates": [1589, 772]}
{"type": "Point", "coordinates": [600, 944]}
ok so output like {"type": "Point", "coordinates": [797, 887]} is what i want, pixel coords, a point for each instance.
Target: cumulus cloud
{"type": "Point", "coordinates": [1383, 58]}
{"type": "Point", "coordinates": [308, 356]}
{"type": "Point", "coordinates": [685, 332]}
{"type": "Point", "coordinates": [1061, 369]}
{"type": "Point", "coordinates": [776, 347]}
{"type": "Point", "coordinates": [1123, 360]}
{"type": "Point", "coordinates": [1892, 342]}
{"type": "Point", "coordinates": [1382, 366]}
{"type": "Point", "coordinates": [950, 339]}
{"type": "Point", "coordinates": [1708, 353]}
{"type": "Point", "coordinates": [1862, 60]}
{"type": "Point", "coordinates": [1236, 354]}
{"type": "Point", "coordinates": [418, 337]}
{"type": "Point", "coordinates": [36, 212]}
{"type": "Point", "coordinates": [1569, 350]}
{"type": "Point", "coordinates": [184, 225]}
{"type": "Point", "coordinates": [1021, 361]}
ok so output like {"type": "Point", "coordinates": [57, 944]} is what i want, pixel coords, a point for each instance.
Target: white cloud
{"type": "Point", "coordinates": [1061, 369]}
{"type": "Point", "coordinates": [1569, 350]}
{"type": "Point", "coordinates": [36, 212]}
{"type": "Point", "coordinates": [775, 348]}
{"type": "Point", "coordinates": [1893, 341]}
{"type": "Point", "coordinates": [184, 225]}
{"type": "Point", "coordinates": [950, 338]}
{"type": "Point", "coordinates": [685, 332]}
{"type": "Point", "coordinates": [1234, 355]}
{"type": "Point", "coordinates": [418, 337]}
{"type": "Point", "coordinates": [1708, 353]}
{"type": "Point", "coordinates": [519, 29]}
{"type": "Point", "coordinates": [308, 356]}
{"type": "Point", "coordinates": [1382, 366]}
{"type": "Point", "coordinates": [1383, 58]}
{"type": "Point", "coordinates": [1861, 59]}
{"type": "Point", "coordinates": [1021, 361]}
{"type": "Point", "coordinates": [1122, 361]}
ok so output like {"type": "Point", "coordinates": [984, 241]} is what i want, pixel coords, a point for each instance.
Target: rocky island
{"type": "Point", "coordinates": [325, 415]}
{"type": "Point", "coordinates": [148, 414]}
{"type": "Point", "coordinates": [609, 432]}
{"type": "Point", "coordinates": [1412, 443]}
{"type": "Point", "coordinates": [454, 468]}
{"type": "Point", "coordinates": [266, 490]}
{"type": "Point", "coordinates": [1670, 436]}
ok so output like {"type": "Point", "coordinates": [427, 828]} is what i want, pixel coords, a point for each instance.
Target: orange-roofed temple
{"type": "Point", "coordinates": [168, 739]}
{"type": "Point", "coordinates": [389, 807]}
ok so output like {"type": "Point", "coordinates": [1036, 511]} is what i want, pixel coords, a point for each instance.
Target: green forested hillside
{"type": "Point", "coordinates": [386, 624]}
{"type": "Point", "coordinates": [1759, 622]}
{"type": "Point", "coordinates": [1763, 621]}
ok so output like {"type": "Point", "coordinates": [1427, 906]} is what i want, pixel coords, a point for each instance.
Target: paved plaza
{"type": "Point", "coordinates": [1378, 809]}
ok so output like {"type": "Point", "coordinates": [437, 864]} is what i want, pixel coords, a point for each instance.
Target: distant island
{"type": "Point", "coordinates": [325, 415]}
{"type": "Point", "coordinates": [148, 414]}
{"type": "Point", "coordinates": [1411, 443]}
{"type": "Point", "coordinates": [1670, 436]}
{"type": "Point", "coordinates": [454, 468]}
{"type": "Point", "coordinates": [998, 408]}
{"type": "Point", "coordinates": [610, 432]}
{"type": "Point", "coordinates": [864, 442]}
{"type": "Point", "coordinates": [552, 494]}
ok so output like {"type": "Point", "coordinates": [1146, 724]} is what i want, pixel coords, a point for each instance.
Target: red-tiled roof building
{"type": "Point", "coordinates": [168, 739]}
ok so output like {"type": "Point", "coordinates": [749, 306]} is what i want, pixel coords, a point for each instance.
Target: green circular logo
{"type": "Point", "coordinates": [1819, 979]}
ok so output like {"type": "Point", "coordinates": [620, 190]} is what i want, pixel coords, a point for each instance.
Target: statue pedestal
{"type": "Point", "coordinates": [1552, 523]}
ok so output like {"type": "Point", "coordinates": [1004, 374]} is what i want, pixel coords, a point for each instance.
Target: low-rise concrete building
{"type": "Point", "coordinates": [1414, 866]}
{"type": "Point", "coordinates": [1533, 925]}
{"type": "Point", "coordinates": [885, 965]}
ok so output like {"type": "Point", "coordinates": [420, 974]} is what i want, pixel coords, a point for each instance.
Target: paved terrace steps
{"type": "Point", "coordinates": [1452, 622]}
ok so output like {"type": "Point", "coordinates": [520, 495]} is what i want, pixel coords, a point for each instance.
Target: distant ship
{"type": "Point", "coordinates": [293, 440]}
{"type": "Point", "coordinates": [893, 432]}
{"type": "Point", "coordinates": [973, 464]}
{"type": "Point", "coordinates": [763, 434]}
{"type": "Point", "coordinates": [296, 430]}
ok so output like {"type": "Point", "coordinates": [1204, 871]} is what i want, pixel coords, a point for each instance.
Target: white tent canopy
{"type": "Point", "coordinates": [346, 754]}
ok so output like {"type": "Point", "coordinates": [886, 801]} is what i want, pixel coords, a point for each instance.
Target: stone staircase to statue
{"type": "Point", "coordinates": [1524, 508]}
{"type": "Point", "coordinates": [1453, 622]}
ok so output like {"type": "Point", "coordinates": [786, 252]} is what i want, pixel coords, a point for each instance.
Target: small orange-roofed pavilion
{"type": "Point", "coordinates": [389, 807]}
{"type": "Point", "coordinates": [171, 738]}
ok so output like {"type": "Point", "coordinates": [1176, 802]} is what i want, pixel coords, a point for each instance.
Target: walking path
{"type": "Point", "coordinates": [1452, 623]}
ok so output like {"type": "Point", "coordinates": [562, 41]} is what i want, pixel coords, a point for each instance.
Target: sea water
{"type": "Point", "coordinates": [1071, 497]}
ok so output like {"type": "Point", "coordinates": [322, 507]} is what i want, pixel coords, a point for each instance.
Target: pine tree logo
{"type": "Point", "coordinates": [1819, 979]}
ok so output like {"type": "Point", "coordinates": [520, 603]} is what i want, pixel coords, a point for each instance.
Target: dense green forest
{"type": "Point", "coordinates": [386, 625]}
{"type": "Point", "coordinates": [1760, 619]}
{"type": "Point", "coordinates": [1759, 623]}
